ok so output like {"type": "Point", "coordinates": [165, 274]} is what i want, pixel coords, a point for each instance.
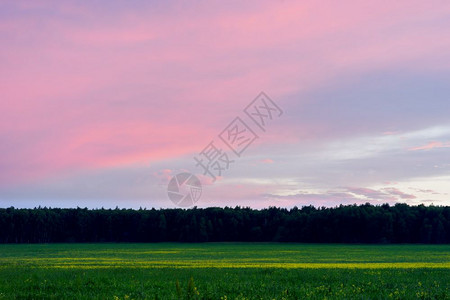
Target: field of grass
{"type": "Point", "coordinates": [224, 271]}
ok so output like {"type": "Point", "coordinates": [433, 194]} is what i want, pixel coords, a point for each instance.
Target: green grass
{"type": "Point", "coordinates": [224, 270]}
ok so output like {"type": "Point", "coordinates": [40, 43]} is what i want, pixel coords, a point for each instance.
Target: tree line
{"type": "Point", "coordinates": [366, 223]}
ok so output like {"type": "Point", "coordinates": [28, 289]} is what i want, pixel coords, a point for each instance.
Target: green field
{"type": "Point", "coordinates": [224, 271]}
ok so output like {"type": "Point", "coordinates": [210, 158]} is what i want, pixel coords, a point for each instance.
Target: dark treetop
{"type": "Point", "coordinates": [344, 224]}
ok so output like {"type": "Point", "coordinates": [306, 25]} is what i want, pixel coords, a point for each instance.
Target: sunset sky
{"type": "Point", "coordinates": [103, 102]}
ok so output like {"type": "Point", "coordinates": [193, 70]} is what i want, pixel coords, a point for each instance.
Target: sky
{"type": "Point", "coordinates": [103, 102]}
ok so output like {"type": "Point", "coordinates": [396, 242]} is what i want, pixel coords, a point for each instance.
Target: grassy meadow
{"type": "Point", "coordinates": [224, 271]}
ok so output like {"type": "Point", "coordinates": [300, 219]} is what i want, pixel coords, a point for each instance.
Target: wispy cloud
{"type": "Point", "coordinates": [431, 145]}
{"type": "Point", "coordinates": [110, 87]}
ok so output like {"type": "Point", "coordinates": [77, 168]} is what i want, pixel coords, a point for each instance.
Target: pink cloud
{"type": "Point", "coordinates": [267, 161]}
{"type": "Point", "coordinates": [390, 132]}
{"type": "Point", "coordinates": [431, 145]}
{"type": "Point", "coordinates": [98, 90]}
{"type": "Point", "coordinates": [397, 192]}
{"type": "Point", "coordinates": [164, 175]}
{"type": "Point", "coordinates": [366, 192]}
{"type": "Point", "coordinates": [101, 146]}
{"type": "Point", "coordinates": [207, 180]}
